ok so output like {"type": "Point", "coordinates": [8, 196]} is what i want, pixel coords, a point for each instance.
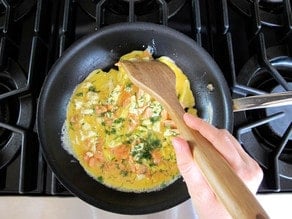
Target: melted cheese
{"type": "Point", "coordinates": [121, 135]}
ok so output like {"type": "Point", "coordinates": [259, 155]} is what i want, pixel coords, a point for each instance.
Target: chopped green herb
{"type": "Point", "coordinates": [119, 120]}
{"type": "Point", "coordinates": [142, 151]}
{"type": "Point", "coordinates": [99, 179]}
{"type": "Point", "coordinates": [93, 89]}
{"type": "Point", "coordinates": [111, 131]}
{"type": "Point", "coordinates": [154, 119]}
{"type": "Point", "coordinates": [128, 87]}
{"type": "Point", "coordinates": [124, 173]}
{"type": "Point", "coordinates": [71, 126]}
{"type": "Point", "coordinates": [80, 94]}
{"type": "Point", "coordinates": [129, 84]}
{"type": "Point", "coordinates": [163, 185]}
{"type": "Point", "coordinates": [127, 142]}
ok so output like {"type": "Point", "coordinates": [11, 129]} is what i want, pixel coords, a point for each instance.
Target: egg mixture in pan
{"type": "Point", "coordinates": [120, 134]}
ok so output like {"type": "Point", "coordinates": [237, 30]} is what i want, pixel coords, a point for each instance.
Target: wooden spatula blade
{"type": "Point", "coordinates": [157, 79]}
{"type": "Point", "coordinates": [152, 76]}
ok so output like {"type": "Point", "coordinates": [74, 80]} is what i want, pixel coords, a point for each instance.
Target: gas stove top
{"type": "Point", "coordinates": [251, 40]}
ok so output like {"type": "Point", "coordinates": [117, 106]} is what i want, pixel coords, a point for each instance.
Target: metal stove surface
{"type": "Point", "coordinates": [249, 39]}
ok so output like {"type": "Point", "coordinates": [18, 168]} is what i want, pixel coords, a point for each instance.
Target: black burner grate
{"type": "Point", "coordinates": [251, 40]}
{"type": "Point", "coordinates": [270, 12]}
{"type": "Point", "coordinates": [24, 57]}
{"type": "Point", "coordinates": [108, 11]}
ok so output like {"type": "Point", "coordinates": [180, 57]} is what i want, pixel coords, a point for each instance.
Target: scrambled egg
{"type": "Point", "coordinates": [120, 134]}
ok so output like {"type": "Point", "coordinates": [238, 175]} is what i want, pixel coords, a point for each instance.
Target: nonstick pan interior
{"type": "Point", "coordinates": [102, 50]}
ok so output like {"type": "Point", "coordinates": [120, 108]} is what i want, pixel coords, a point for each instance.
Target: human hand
{"type": "Point", "coordinates": [205, 201]}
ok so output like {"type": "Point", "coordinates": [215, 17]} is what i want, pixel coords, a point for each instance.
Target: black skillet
{"type": "Point", "coordinates": [102, 49]}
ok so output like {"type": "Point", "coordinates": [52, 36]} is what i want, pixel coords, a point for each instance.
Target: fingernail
{"type": "Point", "coordinates": [187, 115]}
{"type": "Point", "coordinates": [177, 143]}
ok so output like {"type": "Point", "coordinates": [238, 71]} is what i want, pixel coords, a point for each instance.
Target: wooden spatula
{"type": "Point", "coordinates": [158, 80]}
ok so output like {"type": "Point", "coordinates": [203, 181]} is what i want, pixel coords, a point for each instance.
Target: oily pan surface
{"type": "Point", "coordinates": [102, 50]}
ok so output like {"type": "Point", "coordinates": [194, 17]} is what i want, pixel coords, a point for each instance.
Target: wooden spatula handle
{"type": "Point", "coordinates": [227, 186]}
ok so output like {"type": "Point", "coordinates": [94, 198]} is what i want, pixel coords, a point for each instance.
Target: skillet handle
{"type": "Point", "coordinates": [262, 101]}
{"type": "Point", "coordinates": [228, 187]}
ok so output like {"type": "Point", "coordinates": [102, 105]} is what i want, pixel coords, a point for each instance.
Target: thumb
{"type": "Point", "coordinates": [185, 162]}
{"type": "Point", "coordinates": [198, 187]}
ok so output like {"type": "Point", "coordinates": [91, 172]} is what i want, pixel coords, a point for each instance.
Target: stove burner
{"type": "Point", "coordinates": [15, 112]}
{"type": "Point", "coordinates": [145, 10]}
{"type": "Point", "coordinates": [6, 109]}
{"type": "Point", "coordinates": [266, 133]}
{"type": "Point", "coordinates": [277, 120]}
{"type": "Point", "coordinates": [272, 132]}
{"type": "Point", "coordinates": [269, 10]}
{"type": "Point", "coordinates": [19, 7]}
{"type": "Point", "coordinates": [278, 127]}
